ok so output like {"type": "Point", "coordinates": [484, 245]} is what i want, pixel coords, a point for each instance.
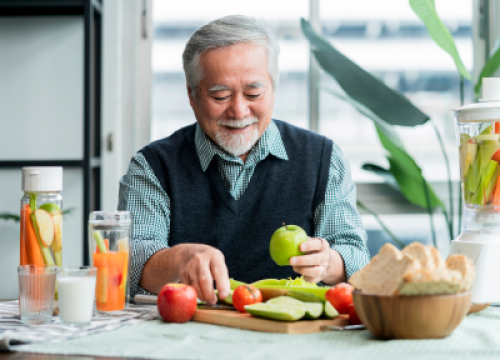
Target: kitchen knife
{"type": "Point", "coordinates": [141, 299]}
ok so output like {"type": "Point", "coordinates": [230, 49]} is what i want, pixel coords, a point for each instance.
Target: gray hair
{"type": "Point", "coordinates": [226, 31]}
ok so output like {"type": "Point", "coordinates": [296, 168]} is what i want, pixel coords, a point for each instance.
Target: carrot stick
{"type": "Point", "coordinates": [497, 127]}
{"type": "Point", "coordinates": [24, 255]}
{"type": "Point", "coordinates": [34, 255]}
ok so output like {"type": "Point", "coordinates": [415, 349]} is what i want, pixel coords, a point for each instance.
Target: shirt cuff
{"type": "Point", "coordinates": [142, 250]}
{"type": "Point", "coordinates": [354, 258]}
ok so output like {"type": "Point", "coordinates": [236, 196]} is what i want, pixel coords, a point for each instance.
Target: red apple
{"type": "Point", "coordinates": [177, 302]}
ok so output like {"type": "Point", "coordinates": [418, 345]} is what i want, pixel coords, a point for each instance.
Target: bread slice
{"type": "Point", "coordinates": [439, 261]}
{"type": "Point", "coordinates": [431, 282]}
{"type": "Point", "coordinates": [422, 253]}
{"type": "Point", "coordinates": [385, 272]}
{"type": "Point", "coordinates": [466, 267]}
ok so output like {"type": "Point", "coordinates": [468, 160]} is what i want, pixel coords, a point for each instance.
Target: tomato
{"type": "Point", "coordinates": [340, 297]}
{"type": "Point", "coordinates": [246, 295]}
{"type": "Point", "coordinates": [353, 316]}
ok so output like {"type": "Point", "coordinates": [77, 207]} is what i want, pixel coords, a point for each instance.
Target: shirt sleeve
{"type": "Point", "coordinates": [142, 194]}
{"type": "Point", "coordinates": [337, 220]}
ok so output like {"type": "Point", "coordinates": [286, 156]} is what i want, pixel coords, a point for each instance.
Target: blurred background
{"type": "Point", "coordinates": [86, 84]}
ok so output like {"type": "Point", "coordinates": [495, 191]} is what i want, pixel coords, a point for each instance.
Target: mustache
{"type": "Point", "coordinates": [238, 123]}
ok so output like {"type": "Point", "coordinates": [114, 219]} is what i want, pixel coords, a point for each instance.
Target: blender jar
{"type": "Point", "coordinates": [478, 132]}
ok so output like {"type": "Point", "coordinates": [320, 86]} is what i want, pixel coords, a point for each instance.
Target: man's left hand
{"type": "Point", "coordinates": [316, 264]}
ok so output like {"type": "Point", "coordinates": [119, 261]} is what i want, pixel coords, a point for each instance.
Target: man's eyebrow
{"type": "Point", "coordinates": [257, 84]}
{"type": "Point", "coordinates": [216, 88]}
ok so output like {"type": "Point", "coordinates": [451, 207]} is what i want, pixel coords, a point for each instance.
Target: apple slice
{"type": "Point", "coordinates": [57, 244]}
{"type": "Point", "coordinates": [45, 226]}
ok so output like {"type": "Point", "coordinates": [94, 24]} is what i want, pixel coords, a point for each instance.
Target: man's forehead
{"type": "Point", "coordinates": [250, 85]}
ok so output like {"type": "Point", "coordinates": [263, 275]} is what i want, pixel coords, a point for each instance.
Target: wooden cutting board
{"type": "Point", "coordinates": [246, 321]}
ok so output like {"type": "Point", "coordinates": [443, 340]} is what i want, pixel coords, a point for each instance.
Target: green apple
{"type": "Point", "coordinates": [285, 243]}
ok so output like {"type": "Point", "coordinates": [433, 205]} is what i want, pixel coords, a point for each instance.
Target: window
{"type": "Point", "coordinates": [175, 24]}
{"type": "Point", "coordinates": [384, 37]}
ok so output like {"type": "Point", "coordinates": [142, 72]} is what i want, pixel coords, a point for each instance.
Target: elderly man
{"type": "Point", "coordinates": [206, 200]}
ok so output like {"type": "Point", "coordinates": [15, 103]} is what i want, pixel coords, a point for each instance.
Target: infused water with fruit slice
{"type": "Point", "coordinates": [41, 217]}
{"type": "Point", "coordinates": [109, 240]}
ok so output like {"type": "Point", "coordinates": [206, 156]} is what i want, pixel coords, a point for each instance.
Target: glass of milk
{"type": "Point", "coordinates": [76, 287]}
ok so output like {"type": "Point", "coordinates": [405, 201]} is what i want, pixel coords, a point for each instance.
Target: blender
{"type": "Point", "coordinates": [478, 133]}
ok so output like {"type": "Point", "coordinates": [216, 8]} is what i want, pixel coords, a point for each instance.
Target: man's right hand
{"type": "Point", "coordinates": [199, 265]}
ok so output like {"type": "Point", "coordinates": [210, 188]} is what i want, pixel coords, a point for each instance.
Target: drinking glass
{"type": "Point", "coordinates": [109, 242]}
{"type": "Point", "coordinates": [76, 288]}
{"type": "Point", "coordinates": [37, 286]}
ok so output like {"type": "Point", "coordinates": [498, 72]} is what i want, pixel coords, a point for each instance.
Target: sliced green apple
{"type": "Point", "coordinates": [57, 244]}
{"type": "Point", "coordinates": [51, 208]}
{"type": "Point", "coordinates": [45, 226]}
{"type": "Point", "coordinates": [488, 137]}
{"type": "Point", "coordinates": [55, 211]}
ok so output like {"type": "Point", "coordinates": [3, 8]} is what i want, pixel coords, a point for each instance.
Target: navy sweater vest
{"type": "Point", "coordinates": [203, 211]}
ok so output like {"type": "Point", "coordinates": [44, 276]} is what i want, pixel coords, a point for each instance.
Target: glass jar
{"type": "Point", "coordinates": [41, 217]}
{"type": "Point", "coordinates": [109, 244]}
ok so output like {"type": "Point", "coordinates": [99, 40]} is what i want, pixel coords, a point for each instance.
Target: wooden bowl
{"type": "Point", "coordinates": [474, 308]}
{"type": "Point", "coordinates": [411, 317]}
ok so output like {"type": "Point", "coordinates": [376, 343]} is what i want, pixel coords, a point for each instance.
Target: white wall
{"type": "Point", "coordinates": [126, 104]}
{"type": "Point", "coordinates": [41, 88]}
{"type": "Point", "coordinates": [41, 117]}
{"type": "Point", "coordinates": [41, 111]}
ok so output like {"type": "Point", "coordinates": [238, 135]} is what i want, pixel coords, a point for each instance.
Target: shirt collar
{"type": "Point", "coordinates": [269, 143]}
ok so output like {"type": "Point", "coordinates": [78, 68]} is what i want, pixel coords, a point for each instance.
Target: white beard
{"type": "Point", "coordinates": [237, 144]}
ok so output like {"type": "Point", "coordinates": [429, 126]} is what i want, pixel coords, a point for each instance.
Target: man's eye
{"type": "Point", "coordinates": [253, 96]}
{"type": "Point", "coordinates": [221, 98]}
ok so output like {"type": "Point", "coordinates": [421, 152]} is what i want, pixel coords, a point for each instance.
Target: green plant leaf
{"type": "Point", "coordinates": [489, 68]}
{"type": "Point", "coordinates": [385, 127]}
{"type": "Point", "coordinates": [426, 11]}
{"type": "Point", "coordinates": [69, 211]}
{"type": "Point", "coordinates": [369, 211]}
{"type": "Point", "coordinates": [383, 173]}
{"type": "Point", "coordinates": [408, 175]}
{"type": "Point", "coordinates": [10, 216]}
{"type": "Point", "coordinates": [361, 86]}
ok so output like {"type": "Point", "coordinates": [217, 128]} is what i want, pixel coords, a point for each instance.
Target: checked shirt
{"type": "Point", "coordinates": [335, 219]}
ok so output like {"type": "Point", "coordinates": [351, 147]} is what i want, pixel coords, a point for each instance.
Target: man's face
{"type": "Point", "coordinates": [234, 101]}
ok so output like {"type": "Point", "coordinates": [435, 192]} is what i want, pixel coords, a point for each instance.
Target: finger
{"type": "Point", "coordinates": [194, 283]}
{"type": "Point", "coordinates": [207, 285]}
{"type": "Point", "coordinates": [312, 245]}
{"type": "Point", "coordinates": [308, 260]}
{"type": "Point", "coordinates": [219, 272]}
{"type": "Point", "coordinates": [312, 279]}
{"type": "Point", "coordinates": [311, 271]}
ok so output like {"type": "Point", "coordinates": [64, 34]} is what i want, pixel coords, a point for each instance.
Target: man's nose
{"type": "Point", "coordinates": [238, 108]}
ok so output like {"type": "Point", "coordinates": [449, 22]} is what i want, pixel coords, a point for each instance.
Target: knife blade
{"type": "Point", "coordinates": [141, 299]}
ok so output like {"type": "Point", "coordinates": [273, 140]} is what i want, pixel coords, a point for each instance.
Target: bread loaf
{"type": "Point", "coordinates": [431, 282]}
{"type": "Point", "coordinates": [465, 266]}
{"type": "Point", "coordinates": [439, 261]}
{"type": "Point", "coordinates": [385, 272]}
{"type": "Point", "coordinates": [422, 253]}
